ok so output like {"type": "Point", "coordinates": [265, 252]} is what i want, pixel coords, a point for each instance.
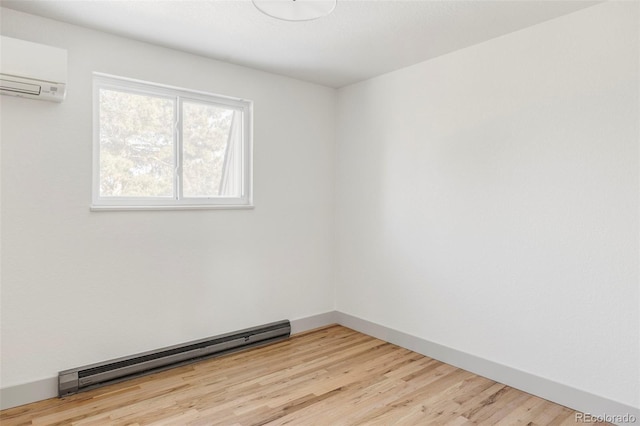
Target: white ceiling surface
{"type": "Point", "coordinates": [359, 40]}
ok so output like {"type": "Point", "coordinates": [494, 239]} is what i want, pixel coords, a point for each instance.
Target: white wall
{"type": "Point", "coordinates": [80, 287]}
{"type": "Point", "coordinates": [488, 200]}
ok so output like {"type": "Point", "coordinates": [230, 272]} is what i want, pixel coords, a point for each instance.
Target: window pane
{"type": "Point", "coordinates": [207, 144]}
{"type": "Point", "coordinates": [136, 145]}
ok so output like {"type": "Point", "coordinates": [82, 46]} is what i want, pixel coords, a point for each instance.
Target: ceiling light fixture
{"type": "Point", "coordinates": [295, 10]}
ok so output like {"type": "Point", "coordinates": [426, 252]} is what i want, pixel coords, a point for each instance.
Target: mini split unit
{"type": "Point", "coordinates": [32, 70]}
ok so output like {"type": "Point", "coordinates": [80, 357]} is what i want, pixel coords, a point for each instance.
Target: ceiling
{"type": "Point", "coordinates": [359, 40]}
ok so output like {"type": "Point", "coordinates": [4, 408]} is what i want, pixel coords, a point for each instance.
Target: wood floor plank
{"type": "Point", "coordinates": [331, 376]}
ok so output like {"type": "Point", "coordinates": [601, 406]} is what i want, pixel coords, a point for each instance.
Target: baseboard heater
{"type": "Point", "coordinates": [116, 370]}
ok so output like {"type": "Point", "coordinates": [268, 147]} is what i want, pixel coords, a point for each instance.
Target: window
{"type": "Point", "coordinates": [160, 147]}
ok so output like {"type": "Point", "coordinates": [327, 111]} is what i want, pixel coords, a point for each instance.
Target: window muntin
{"type": "Point", "coordinates": [162, 147]}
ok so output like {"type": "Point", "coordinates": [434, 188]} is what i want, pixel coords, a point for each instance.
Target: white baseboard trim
{"type": "Point", "coordinates": [568, 396]}
{"type": "Point", "coordinates": [559, 393]}
{"type": "Point", "coordinates": [26, 393]}
{"type": "Point", "coordinates": [315, 321]}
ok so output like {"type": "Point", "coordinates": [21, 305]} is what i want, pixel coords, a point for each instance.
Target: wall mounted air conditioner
{"type": "Point", "coordinates": [32, 70]}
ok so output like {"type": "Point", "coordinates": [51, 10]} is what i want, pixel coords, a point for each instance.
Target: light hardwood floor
{"type": "Point", "coordinates": [330, 376]}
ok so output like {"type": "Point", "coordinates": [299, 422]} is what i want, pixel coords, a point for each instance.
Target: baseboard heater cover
{"type": "Point", "coordinates": [104, 373]}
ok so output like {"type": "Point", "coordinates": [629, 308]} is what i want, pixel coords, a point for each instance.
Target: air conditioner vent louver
{"type": "Point", "coordinates": [12, 85]}
{"type": "Point", "coordinates": [104, 373]}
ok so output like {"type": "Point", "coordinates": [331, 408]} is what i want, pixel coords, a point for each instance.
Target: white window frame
{"type": "Point", "coordinates": [179, 95]}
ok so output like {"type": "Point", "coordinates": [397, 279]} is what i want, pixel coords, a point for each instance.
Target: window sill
{"type": "Point", "coordinates": [96, 208]}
